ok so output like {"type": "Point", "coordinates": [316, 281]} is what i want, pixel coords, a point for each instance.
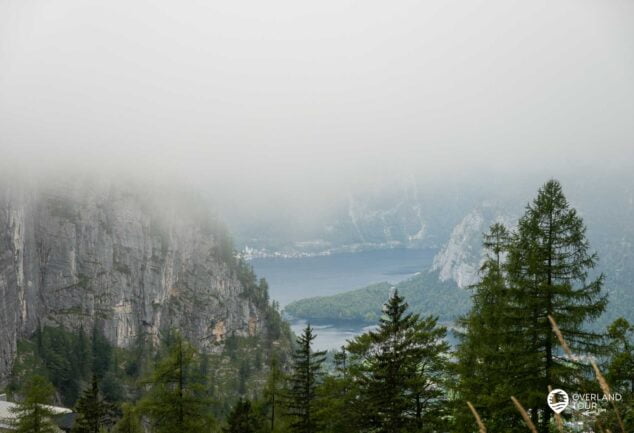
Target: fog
{"type": "Point", "coordinates": [263, 101]}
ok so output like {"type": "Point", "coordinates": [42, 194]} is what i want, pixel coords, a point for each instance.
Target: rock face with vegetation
{"type": "Point", "coordinates": [131, 262]}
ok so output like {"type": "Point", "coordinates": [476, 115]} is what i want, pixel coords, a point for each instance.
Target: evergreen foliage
{"type": "Point", "coordinates": [548, 265]}
{"type": "Point", "coordinates": [399, 369]}
{"type": "Point", "coordinates": [487, 348]}
{"type": "Point", "coordinates": [395, 378]}
{"type": "Point", "coordinates": [620, 374]}
{"type": "Point", "coordinates": [541, 269]}
{"type": "Point", "coordinates": [301, 396]}
{"type": "Point", "coordinates": [242, 419]}
{"type": "Point", "coordinates": [93, 413]}
{"type": "Point", "coordinates": [274, 393]}
{"type": "Point", "coordinates": [31, 415]}
{"type": "Point", "coordinates": [129, 421]}
{"type": "Point", "coordinates": [425, 293]}
{"type": "Point", "coordinates": [101, 353]}
{"type": "Point", "coordinates": [176, 401]}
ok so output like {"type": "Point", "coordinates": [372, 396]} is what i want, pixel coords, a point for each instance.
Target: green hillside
{"type": "Point", "coordinates": [425, 293]}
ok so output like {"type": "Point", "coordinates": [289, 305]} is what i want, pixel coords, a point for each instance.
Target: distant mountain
{"type": "Point", "coordinates": [396, 215]}
{"type": "Point", "coordinates": [608, 211]}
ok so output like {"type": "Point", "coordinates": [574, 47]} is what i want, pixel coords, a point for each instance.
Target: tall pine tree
{"type": "Point", "coordinates": [541, 269]}
{"type": "Point", "coordinates": [93, 412]}
{"type": "Point", "coordinates": [31, 415]}
{"type": "Point", "coordinates": [242, 419]}
{"type": "Point", "coordinates": [399, 369]}
{"type": "Point", "coordinates": [177, 401]}
{"type": "Point", "coordinates": [549, 266]}
{"type": "Point", "coordinates": [129, 421]}
{"type": "Point", "coordinates": [301, 395]}
{"type": "Point", "coordinates": [273, 392]}
{"type": "Point", "coordinates": [620, 375]}
{"type": "Point", "coordinates": [339, 411]}
{"type": "Point", "coordinates": [488, 344]}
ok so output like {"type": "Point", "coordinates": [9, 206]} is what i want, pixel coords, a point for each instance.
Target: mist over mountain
{"type": "Point", "coordinates": [130, 261]}
{"type": "Point", "coordinates": [183, 185]}
{"type": "Point", "coordinates": [606, 202]}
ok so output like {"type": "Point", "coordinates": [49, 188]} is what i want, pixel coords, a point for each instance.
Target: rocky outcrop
{"type": "Point", "coordinates": [462, 256]}
{"type": "Point", "coordinates": [130, 263]}
{"type": "Point", "coordinates": [459, 260]}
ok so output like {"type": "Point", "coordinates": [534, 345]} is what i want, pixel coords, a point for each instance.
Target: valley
{"type": "Point", "coordinates": [293, 279]}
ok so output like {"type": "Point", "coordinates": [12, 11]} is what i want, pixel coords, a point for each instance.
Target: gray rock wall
{"type": "Point", "coordinates": [130, 262]}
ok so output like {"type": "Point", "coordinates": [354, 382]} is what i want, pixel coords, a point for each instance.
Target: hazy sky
{"type": "Point", "coordinates": [257, 94]}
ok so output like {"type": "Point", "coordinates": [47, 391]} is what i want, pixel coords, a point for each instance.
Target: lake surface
{"type": "Point", "coordinates": [331, 336]}
{"type": "Point", "coordinates": [296, 278]}
{"type": "Point", "coordinates": [291, 279]}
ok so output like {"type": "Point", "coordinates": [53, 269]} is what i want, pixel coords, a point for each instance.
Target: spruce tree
{"type": "Point", "coordinates": [31, 415]}
{"type": "Point", "coordinates": [82, 354]}
{"type": "Point", "coordinates": [93, 412]}
{"type": "Point", "coordinates": [177, 401]}
{"type": "Point", "coordinates": [273, 391]}
{"type": "Point", "coordinates": [549, 264]}
{"type": "Point", "coordinates": [621, 362]}
{"type": "Point", "coordinates": [620, 374]}
{"type": "Point", "coordinates": [390, 367]}
{"type": "Point", "coordinates": [488, 345]}
{"type": "Point", "coordinates": [101, 353]}
{"type": "Point", "coordinates": [242, 418]}
{"type": "Point", "coordinates": [429, 367]}
{"type": "Point", "coordinates": [338, 411]}
{"type": "Point", "coordinates": [399, 369]}
{"type": "Point", "coordinates": [301, 394]}
{"type": "Point", "coordinates": [541, 269]}
{"type": "Point", "coordinates": [129, 421]}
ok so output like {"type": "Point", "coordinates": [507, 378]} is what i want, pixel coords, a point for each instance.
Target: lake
{"type": "Point", "coordinates": [331, 336]}
{"type": "Point", "coordinates": [291, 279]}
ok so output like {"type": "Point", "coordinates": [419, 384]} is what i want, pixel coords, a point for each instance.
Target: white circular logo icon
{"type": "Point", "coordinates": [558, 400]}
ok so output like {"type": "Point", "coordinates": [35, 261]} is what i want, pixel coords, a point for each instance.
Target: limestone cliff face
{"type": "Point", "coordinates": [462, 256]}
{"type": "Point", "coordinates": [130, 263]}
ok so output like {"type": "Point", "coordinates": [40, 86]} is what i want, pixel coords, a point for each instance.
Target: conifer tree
{"type": "Point", "coordinates": [339, 411]}
{"type": "Point", "coordinates": [487, 345]}
{"type": "Point", "coordinates": [399, 368]}
{"type": "Point", "coordinates": [31, 415]}
{"type": "Point", "coordinates": [93, 412]}
{"type": "Point", "coordinates": [301, 394]}
{"type": "Point", "coordinates": [429, 366]}
{"type": "Point", "coordinates": [390, 367]}
{"type": "Point", "coordinates": [83, 355]}
{"type": "Point", "coordinates": [541, 269]}
{"type": "Point", "coordinates": [242, 418]}
{"type": "Point", "coordinates": [548, 268]}
{"type": "Point", "coordinates": [621, 363]}
{"type": "Point", "coordinates": [620, 374]}
{"type": "Point", "coordinates": [273, 391]}
{"type": "Point", "coordinates": [341, 360]}
{"type": "Point", "coordinates": [177, 401]}
{"type": "Point", "coordinates": [129, 421]}
{"type": "Point", "coordinates": [101, 353]}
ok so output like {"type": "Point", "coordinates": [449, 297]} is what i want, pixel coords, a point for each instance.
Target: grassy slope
{"type": "Point", "coordinates": [424, 293]}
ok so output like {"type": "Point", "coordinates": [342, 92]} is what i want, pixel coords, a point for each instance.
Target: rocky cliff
{"type": "Point", "coordinates": [127, 262]}
{"type": "Point", "coordinates": [462, 256]}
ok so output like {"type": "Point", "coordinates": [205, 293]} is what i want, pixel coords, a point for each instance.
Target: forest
{"type": "Point", "coordinates": [529, 331]}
